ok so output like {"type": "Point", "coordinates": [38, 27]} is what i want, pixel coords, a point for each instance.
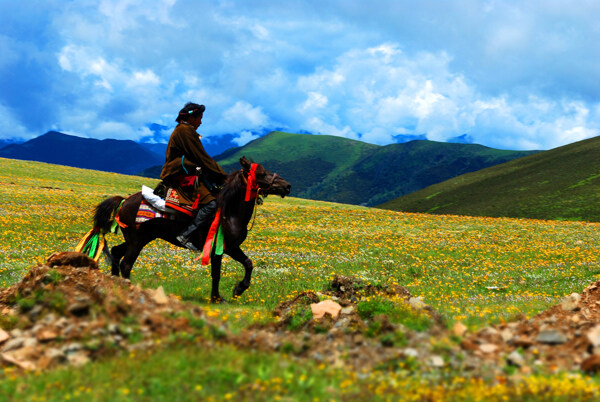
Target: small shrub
{"type": "Point", "coordinates": [373, 329]}
{"type": "Point", "coordinates": [197, 323]}
{"type": "Point", "coordinates": [52, 276]}
{"type": "Point", "coordinates": [8, 322]}
{"type": "Point", "coordinates": [398, 312]}
{"type": "Point", "coordinates": [55, 301]}
{"type": "Point", "coordinates": [299, 318]}
{"type": "Point", "coordinates": [26, 303]}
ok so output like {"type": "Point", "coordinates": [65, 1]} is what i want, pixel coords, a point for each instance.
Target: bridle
{"type": "Point", "coordinates": [273, 178]}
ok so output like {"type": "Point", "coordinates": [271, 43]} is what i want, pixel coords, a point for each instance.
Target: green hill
{"type": "Point", "coordinates": [562, 183]}
{"type": "Point", "coordinates": [330, 168]}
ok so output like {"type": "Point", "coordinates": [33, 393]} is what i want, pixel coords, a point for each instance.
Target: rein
{"type": "Point", "coordinates": [253, 189]}
{"type": "Point", "coordinates": [249, 185]}
{"type": "Point", "coordinates": [255, 209]}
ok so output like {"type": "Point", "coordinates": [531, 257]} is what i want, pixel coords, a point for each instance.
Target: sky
{"type": "Point", "coordinates": [519, 75]}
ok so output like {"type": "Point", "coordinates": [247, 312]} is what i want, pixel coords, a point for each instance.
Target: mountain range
{"type": "Point", "coordinates": [119, 156]}
{"type": "Point", "coordinates": [559, 184]}
{"type": "Point", "coordinates": [320, 167]}
{"type": "Point", "coordinates": [331, 168]}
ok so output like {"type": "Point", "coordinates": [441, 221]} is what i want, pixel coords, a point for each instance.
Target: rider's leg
{"type": "Point", "coordinates": [203, 215]}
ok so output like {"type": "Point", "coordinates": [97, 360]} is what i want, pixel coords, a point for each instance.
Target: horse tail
{"type": "Point", "coordinates": [105, 213]}
{"type": "Point", "coordinates": [93, 243]}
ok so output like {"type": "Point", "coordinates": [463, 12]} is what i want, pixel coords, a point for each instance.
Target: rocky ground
{"type": "Point", "coordinates": [68, 312]}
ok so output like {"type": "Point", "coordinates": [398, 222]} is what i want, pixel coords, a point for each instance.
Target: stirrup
{"type": "Point", "coordinates": [186, 243]}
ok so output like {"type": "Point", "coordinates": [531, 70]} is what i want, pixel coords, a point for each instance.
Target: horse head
{"type": "Point", "coordinates": [269, 183]}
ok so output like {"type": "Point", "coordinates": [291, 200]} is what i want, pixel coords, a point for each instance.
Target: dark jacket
{"type": "Point", "coordinates": [184, 153]}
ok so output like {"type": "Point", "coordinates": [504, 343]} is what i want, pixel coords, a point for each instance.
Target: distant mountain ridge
{"type": "Point", "coordinates": [118, 156]}
{"type": "Point", "coordinates": [331, 168]}
{"type": "Point", "coordinates": [320, 167]}
{"type": "Point", "coordinates": [559, 184]}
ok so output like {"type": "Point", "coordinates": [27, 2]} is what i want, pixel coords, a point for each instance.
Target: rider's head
{"type": "Point", "coordinates": [191, 111]}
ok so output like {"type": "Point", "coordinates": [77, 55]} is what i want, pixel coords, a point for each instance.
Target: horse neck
{"type": "Point", "coordinates": [232, 198]}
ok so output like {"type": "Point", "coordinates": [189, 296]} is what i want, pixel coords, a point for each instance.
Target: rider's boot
{"type": "Point", "coordinates": [203, 215]}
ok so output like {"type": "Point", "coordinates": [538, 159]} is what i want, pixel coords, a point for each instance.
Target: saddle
{"type": "Point", "coordinates": [171, 199]}
{"type": "Point", "coordinates": [154, 206]}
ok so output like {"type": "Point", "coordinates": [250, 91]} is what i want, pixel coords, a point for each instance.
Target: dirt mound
{"type": "Point", "coordinates": [564, 337]}
{"type": "Point", "coordinates": [68, 312]}
{"type": "Point", "coordinates": [348, 288]}
{"type": "Point", "coordinates": [359, 336]}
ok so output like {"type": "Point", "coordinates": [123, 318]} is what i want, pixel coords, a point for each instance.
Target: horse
{"type": "Point", "coordinates": [236, 212]}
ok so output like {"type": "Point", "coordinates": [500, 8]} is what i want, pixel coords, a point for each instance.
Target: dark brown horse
{"type": "Point", "coordinates": [235, 216]}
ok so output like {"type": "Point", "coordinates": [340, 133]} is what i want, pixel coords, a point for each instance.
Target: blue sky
{"type": "Point", "coordinates": [509, 74]}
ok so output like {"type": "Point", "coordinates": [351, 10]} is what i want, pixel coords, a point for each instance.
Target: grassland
{"type": "Point", "coordinates": [474, 270]}
{"type": "Point", "coordinates": [559, 184]}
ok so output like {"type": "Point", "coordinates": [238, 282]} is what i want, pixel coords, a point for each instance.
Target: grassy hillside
{"type": "Point", "coordinates": [337, 169]}
{"type": "Point", "coordinates": [562, 183]}
{"type": "Point", "coordinates": [473, 270]}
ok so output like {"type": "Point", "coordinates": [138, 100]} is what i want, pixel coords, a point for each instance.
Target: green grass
{"type": "Point", "coordinates": [186, 372]}
{"type": "Point", "coordinates": [474, 270]}
{"type": "Point", "coordinates": [559, 184]}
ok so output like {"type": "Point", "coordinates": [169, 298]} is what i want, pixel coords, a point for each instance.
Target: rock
{"type": "Point", "coordinates": [551, 337]}
{"type": "Point", "coordinates": [436, 361]}
{"type": "Point", "coordinates": [522, 342]}
{"type": "Point", "coordinates": [348, 310]}
{"type": "Point", "coordinates": [24, 364]}
{"type": "Point", "coordinates": [72, 348]}
{"type": "Point", "coordinates": [35, 311]}
{"type": "Point", "coordinates": [159, 296]}
{"type": "Point", "coordinates": [488, 348]}
{"type": "Point", "coordinates": [78, 359]}
{"type": "Point", "coordinates": [469, 345]}
{"type": "Point", "coordinates": [515, 359]}
{"type": "Point", "coordinates": [593, 336]}
{"type": "Point", "coordinates": [410, 352]}
{"type": "Point", "coordinates": [591, 364]}
{"type": "Point", "coordinates": [4, 336]}
{"type": "Point", "coordinates": [459, 329]}
{"type": "Point", "coordinates": [507, 334]}
{"type": "Point", "coordinates": [15, 343]}
{"type": "Point", "coordinates": [80, 308]}
{"type": "Point", "coordinates": [51, 358]}
{"type": "Point", "coordinates": [417, 303]}
{"type": "Point", "coordinates": [571, 302]}
{"type": "Point", "coordinates": [325, 307]}
{"type": "Point", "coordinates": [46, 335]}
{"type": "Point", "coordinates": [30, 342]}
{"type": "Point", "coordinates": [16, 333]}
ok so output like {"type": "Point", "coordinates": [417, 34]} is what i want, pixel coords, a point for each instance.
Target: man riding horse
{"type": "Point", "coordinates": [191, 171]}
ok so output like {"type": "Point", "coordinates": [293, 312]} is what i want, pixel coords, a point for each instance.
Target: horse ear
{"type": "Point", "coordinates": [245, 162]}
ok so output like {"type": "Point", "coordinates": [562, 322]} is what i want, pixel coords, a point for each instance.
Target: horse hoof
{"type": "Point", "coordinates": [217, 300]}
{"type": "Point", "coordinates": [239, 290]}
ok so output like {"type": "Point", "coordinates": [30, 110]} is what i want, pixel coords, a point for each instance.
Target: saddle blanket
{"type": "Point", "coordinates": [147, 212]}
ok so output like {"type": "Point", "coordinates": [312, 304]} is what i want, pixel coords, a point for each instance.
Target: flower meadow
{"type": "Point", "coordinates": [469, 269]}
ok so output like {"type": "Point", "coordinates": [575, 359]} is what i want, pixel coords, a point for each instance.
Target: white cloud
{"type": "Point", "coordinates": [244, 137]}
{"type": "Point", "coordinates": [510, 74]}
{"type": "Point", "coordinates": [244, 115]}
{"type": "Point", "coordinates": [10, 127]}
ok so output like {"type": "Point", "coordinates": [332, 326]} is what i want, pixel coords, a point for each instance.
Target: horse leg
{"type": "Point", "coordinates": [237, 254]}
{"type": "Point", "coordinates": [131, 254]}
{"type": "Point", "coordinates": [215, 273]}
{"type": "Point", "coordinates": [117, 253]}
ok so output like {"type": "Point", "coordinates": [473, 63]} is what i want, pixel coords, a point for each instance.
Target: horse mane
{"type": "Point", "coordinates": [233, 190]}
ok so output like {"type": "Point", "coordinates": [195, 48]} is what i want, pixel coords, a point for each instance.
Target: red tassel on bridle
{"type": "Point", "coordinates": [251, 185]}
